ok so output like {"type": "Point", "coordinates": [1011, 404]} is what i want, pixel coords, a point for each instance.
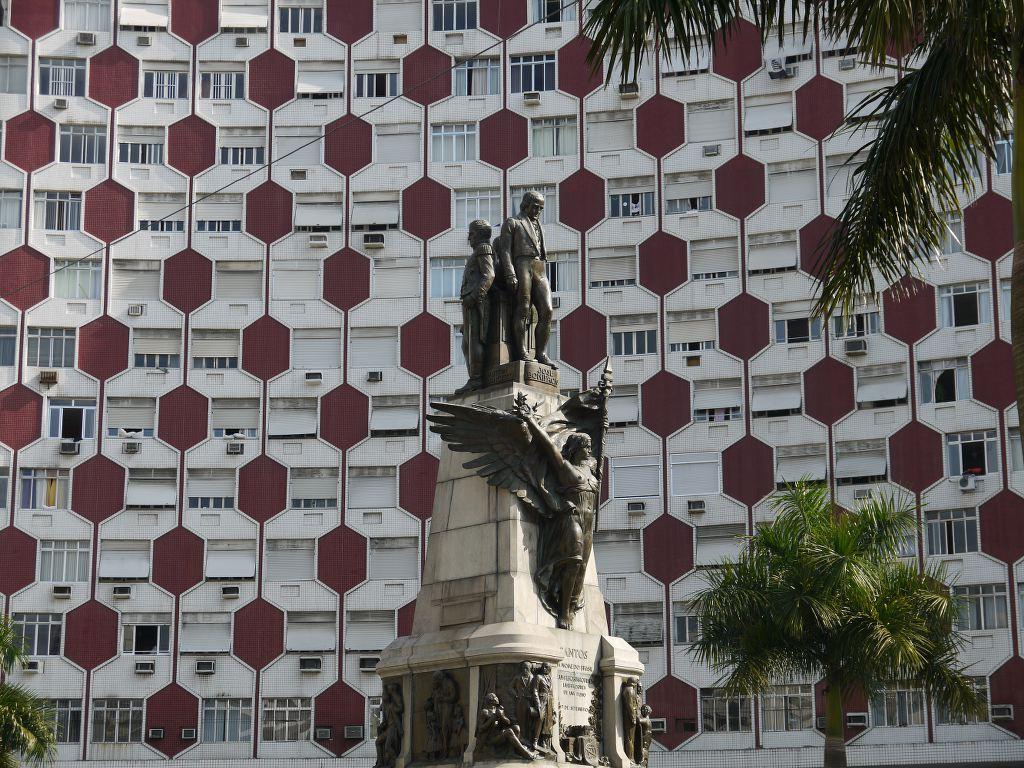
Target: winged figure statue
{"type": "Point", "coordinates": [553, 466]}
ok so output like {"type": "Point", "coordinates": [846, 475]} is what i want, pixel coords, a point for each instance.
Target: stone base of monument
{"type": "Point", "coordinates": [479, 618]}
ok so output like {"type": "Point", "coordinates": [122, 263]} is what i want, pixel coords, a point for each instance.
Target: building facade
{"type": "Point", "coordinates": [216, 478]}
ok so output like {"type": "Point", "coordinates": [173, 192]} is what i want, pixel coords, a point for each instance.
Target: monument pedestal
{"type": "Point", "coordinates": [479, 617]}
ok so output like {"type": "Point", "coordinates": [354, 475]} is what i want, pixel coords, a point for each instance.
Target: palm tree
{"type": "Point", "coordinates": [819, 594]}
{"type": "Point", "coordinates": [26, 730]}
{"type": "Point", "coordinates": [962, 90]}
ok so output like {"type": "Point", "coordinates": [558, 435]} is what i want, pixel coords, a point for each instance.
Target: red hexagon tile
{"type": "Point", "coordinates": [348, 145]}
{"type": "Point", "coordinates": [268, 212]}
{"type": "Point", "coordinates": [349, 20]}
{"type": "Point", "coordinates": [909, 310]}
{"type": "Point", "coordinates": [1002, 535]}
{"type": "Point", "coordinates": [988, 226]}
{"type": "Point", "coordinates": [188, 280]}
{"type": "Point", "coordinates": [404, 619]}
{"type": "Point", "coordinates": [660, 125]}
{"type": "Point", "coordinates": [426, 208]}
{"type": "Point", "coordinates": [663, 263]}
{"type": "Point", "coordinates": [178, 561]}
{"type": "Point", "coordinates": [109, 211]}
{"type": "Point", "coordinates": [502, 18]}
{"type": "Point", "coordinates": [739, 186]}
{"type": "Point", "coordinates": [24, 276]}
{"type": "Point", "coordinates": [258, 636]}
{"type": "Point", "coordinates": [97, 489]}
{"type": "Point", "coordinates": [416, 481]}
{"type": "Point", "coordinates": [271, 79]}
{"type": "Point", "coordinates": [35, 18]}
{"type": "Point", "coordinates": [503, 139]}
{"type": "Point", "coordinates": [191, 145]}
{"type": "Point", "coordinates": [736, 52]}
{"type": "Point", "coordinates": [668, 549]}
{"type": "Point", "coordinates": [425, 345]}
{"type": "Point", "coordinates": [828, 390]}
{"type": "Point", "coordinates": [183, 418]}
{"type": "Point", "coordinates": [90, 635]}
{"type": "Point", "coordinates": [262, 488]}
{"type": "Point", "coordinates": [1006, 686]}
{"type": "Point", "coordinates": [748, 470]}
{"type": "Point", "coordinates": [583, 338]}
{"type": "Point", "coordinates": [820, 107]}
{"type": "Point", "coordinates": [665, 400]}
{"type": "Point", "coordinates": [30, 140]}
{"type": "Point", "coordinates": [676, 701]}
{"type": "Point", "coordinates": [265, 345]}
{"type": "Point", "coordinates": [992, 375]}
{"type": "Point", "coordinates": [113, 77]}
{"type": "Point", "coordinates": [346, 279]}
{"type": "Point", "coordinates": [585, 190]}
{"type": "Point", "coordinates": [424, 75]}
{"type": "Point", "coordinates": [171, 709]}
{"type": "Point", "coordinates": [193, 20]}
{"type": "Point", "coordinates": [915, 457]}
{"type": "Point", "coordinates": [103, 347]}
{"type": "Point", "coordinates": [344, 417]}
{"type": "Point", "coordinates": [575, 76]}
{"type": "Point", "coordinates": [815, 237]}
{"type": "Point", "coordinates": [341, 559]}
{"type": "Point", "coordinates": [18, 554]}
{"type": "Point", "coordinates": [21, 413]}
{"type": "Point", "coordinates": [338, 706]}
{"type": "Point", "coordinates": [743, 326]}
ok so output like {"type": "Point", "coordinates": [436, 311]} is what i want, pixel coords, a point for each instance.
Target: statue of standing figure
{"type": "Point", "coordinates": [477, 279]}
{"type": "Point", "coordinates": [390, 728]}
{"type": "Point", "coordinates": [632, 739]}
{"type": "Point", "coordinates": [444, 718]}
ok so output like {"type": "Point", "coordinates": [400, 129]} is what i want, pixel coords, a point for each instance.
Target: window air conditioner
{"type": "Point", "coordinates": [375, 377]}
{"type": "Point", "coordinates": [235, 449]}
{"type": "Point", "coordinates": [310, 664]}
{"type": "Point", "coordinates": [60, 103]}
{"type": "Point", "coordinates": [857, 719]}
{"type": "Point", "coordinates": [136, 310]}
{"type": "Point", "coordinates": [68, 447]}
{"type": "Point", "coordinates": [695, 506]}
{"type": "Point", "coordinates": [322, 732]}
{"type": "Point", "coordinates": [629, 90]}
{"type": "Point", "coordinates": [777, 69]}
{"type": "Point", "coordinates": [354, 732]}
{"type": "Point", "coordinates": [229, 592]}
{"type": "Point", "coordinates": [400, 39]}
{"type": "Point", "coordinates": [122, 591]}
{"type": "Point", "coordinates": [86, 38]}
{"type": "Point", "coordinates": [188, 734]}
{"type": "Point", "coordinates": [314, 377]}
{"type": "Point", "coordinates": [155, 733]}
{"type": "Point", "coordinates": [131, 446]}
{"type": "Point", "coordinates": [299, 42]}
{"type": "Point", "coordinates": [32, 666]}
{"type": "Point", "coordinates": [62, 591]}
{"type": "Point", "coordinates": [636, 506]}
{"type": "Point", "coordinates": [712, 150]}
{"type": "Point", "coordinates": [144, 41]}
{"type": "Point", "coordinates": [206, 667]}
{"type": "Point", "coordinates": [531, 97]}
{"type": "Point", "coordinates": [556, 302]}
{"type": "Point", "coordinates": [967, 483]}
{"type": "Point", "coordinates": [368, 663]}
{"type": "Point", "coordinates": [1001, 711]}
{"type": "Point", "coordinates": [241, 42]}
{"type": "Point", "coordinates": [145, 667]}
{"type": "Point", "coordinates": [856, 346]}
{"type": "Point", "coordinates": [373, 240]}
{"type": "Point", "coordinates": [47, 378]}
{"type": "Point", "coordinates": [318, 241]}
{"type": "Point", "coordinates": [845, 65]}
{"type": "Point", "coordinates": [298, 174]}
{"type": "Point", "coordinates": [862, 493]}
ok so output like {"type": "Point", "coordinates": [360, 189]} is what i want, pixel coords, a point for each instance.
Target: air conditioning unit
{"type": "Point", "coordinates": [131, 446]}
{"type": "Point", "coordinates": [318, 241]}
{"type": "Point", "coordinates": [368, 663]}
{"type": "Point", "coordinates": [862, 493]}
{"type": "Point", "coordinates": [68, 447]}
{"type": "Point", "coordinates": [845, 65]}
{"type": "Point", "coordinates": [375, 377]}
{"type": "Point", "coordinates": [373, 240]}
{"type": "Point", "coordinates": [711, 150]}
{"type": "Point", "coordinates": [61, 591]}
{"type": "Point", "coordinates": [86, 38]}
{"type": "Point", "coordinates": [531, 97]}
{"type": "Point", "coordinates": [145, 667]}
{"type": "Point", "coordinates": [310, 664]}
{"type": "Point", "coordinates": [857, 719]}
{"type": "Point", "coordinates": [229, 591]}
{"type": "Point", "coordinates": [636, 506]}
{"type": "Point", "coordinates": [32, 666]}
{"type": "Point", "coordinates": [60, 103]}
{"type": "Point", "coordinates": [122, 591]}
{"type": "Point", "coordinates": [144, 40]}
{"type": "Point", "coordinates": [400, 39]}
{"type": "Point", "coordinates": [556, 302]}
{"type": "Point", "coordinates": [299, 42]}
{"type": "Point", "coordinates": [48, 378]}
{"type": "Point", "coordinates": [322, 732]}
{"type": "Point", "coordinates": [155, 733]}
{"type": "Point", "coordinates": [855, 346]}
{"type": "Point", "coordinates": [235, 449]}
{"type": "Point", "coordinates": [777, 69]}
{"type": "Point", "coordinates": [1001, 711]}
{"type": "Point", "coordinates": [241, 42]}
{"type": "Point", "coordinates": [314, 377]}
{"type": "Point", "coordinates": [354, 732]}
{"type": "Point", "coordinates": [696, 506]}
{"type": "Point", "coordinates": [629, 90]}
{"type": "Point", "coordinates": [658, 725]}
{"type": "Point", "coordinates": [206, 667]}
{"type": "Point", "coordinates": [188, 734]}
{"type": "Point", "coordinates": [967, 483]}
{"type": "Point", "coordinates": [136, 310]}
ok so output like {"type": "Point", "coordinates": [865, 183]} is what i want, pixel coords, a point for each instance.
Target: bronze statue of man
{"type": "Point", "coordinates": [520, 248]}
{"type": "Point", "coordinates": [477, 278]}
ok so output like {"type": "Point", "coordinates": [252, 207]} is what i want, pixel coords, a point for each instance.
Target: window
{"type": "Point", "coordinates": [639, 624]}
{"type": "Point", "coordinates": [10, 209]}
{"type": "Point", "coordinates": [864, 99]}
{"type": "Point", "coordinates": [369, 630]}
{"type": "Point", "coordinates": [775, 395]}
{"type": "Point", "coordinates": [552, 11]}
{"type": "Point", "coordinates": [44, 488]}
{"type": "Point", "coordinates": [972, 453]}
{"type": "Point", "coordinates": [881, 386]}
{"type": "Point", "coordinates": [243, 16]}
{"type": "Point", "coordinates": [644, 342]}
{"type": "Point", "coordinates": [635, 477]}
{"type": "Point", "coordinates": [376, 85]}
{"type": "Point", "coordinates": [151, 488]}
{"type": "Point", "coordinates": [453, 142]}
{"type": "Point", "coordinates": [897, 708]}
{"type": "Point", "coordinates": [717, 400]}
{"type": "Point", "coordinates": [242, 155]}
{"type": "Point", "coordinates": [792, 181]}
{"type": "Point", "coordinates": [156, 347]}
{"type": "Point", "coordinates": [158, 212]}
{"type": "Point", "coordinates": [550, 192]}
{"type": "Point", "coordinates": [87, 15]}
{"type": "Point", "coordinates": [710, 121]}
{"type": "Point", "coordinates": [116, 721]}
{"type": "Point", "coordinates": [314, 488]}
{"type": "Point", "coordinates": [982, 606]}
{"type": "Point", "coordinates": [691, 331]}
{"type": "Point", "coordinates": [714, 259]}
{"type": "Point", "coordinates": [1004, 155]}
{"type": "Point", "coordinates": [951, 531]}
{"type": "Point", "coordinates": [238, 280]}
{"type": "Point", "coordinates": [287, 719]}
{"type": "Point", "coordinates": [208, 488]}
{"type": "Point", "coordinates": [290, 560]}
{"type": "Point", "coordinates": [12, 74]}
{"type": "Point", "coordinates": [553, 136]}
{"type": "Point", "coordinates": [945, 717]}
{"type": "Point", "coordinates": [694, 474]}
{"type": "Point", "coordinates": [311, 631]}
{"type": "Point", "coordinates": [8, 345]}
{"type": "Point", "coordinates": [769, 113]}
{"type": "Point", "coordinates": [292, 417]}
{"type": "Point", "coordinates": [944, 381]}
{"type": "Point", "coordinates": [82, 144]}
{"type": "Point", "coordinates": [964, 304]}
{"type": "Point", "coordinates": [222, 85]}
{"type": "Point", "coordinates": [124, 560]}
{"type": "Point", "coordinates": [302, 20]}
{"type": "Point", "coordinates": [394, 416]}
{"type": "Point", "coordinates": [374, 348]}
{"type": "Point", "coordinates": [454, 14]}
{"type": "Point", "coordinates": [58, 211]}
{"type": "Point", "coordinates": [804, 461]}
{"type": "Point", "coordinates": [609, 131]}
{"type": "Point", "coordinates": [38, 633]}
{"type": "Point", "coordinates": [77, 279]}
{"type": "Point", "coordinates": [66, 717]}
{"type": "Point", "coordinates": [320, 80]}
{"type": "Point", "coordinates": [625, 205]}
{"type": "Point", "coordinates": [372, 487]}
{"type": "Point", "coordinates": [624, 405]}
{"type": "Point", "coordinates": [72, 419]}
{"type": "Point", "coordinates": [64, 560]}
{"type": "Point", "coordinates": [617, 551]}
{"type": "Point", "coordinates": [242, 146]}
{"type": "Point", "coordinates": [228, 719]}
{"type": "Point", "coordinates": [214, 348]}
{"type": "Point", "coordinates": [477, 77]}
{"type": "Point", "coordinates": [208, 632]}
{"type": "Point", "coordinates": [721, 713]}
{"type": "Point", "coordinates": [316, 348]}
{"type": "Point", "coordinates": [685, 624]}
{"type": "Point", "coordinates": [471, 204]}
{"type": "Point", "coordinates": [861, 462]}
{"type": "Point", "coordinates": [141, 153]}
{"type": "Point", "coordinates": [686, 192]}
{"type": "Point", "coordinates": [787, 708]}
{"type": "Point", "coordinates": [533, 73]}
{"type": "Point", "coordinates": [446, 278]}
{"type": "Point", "coordinates": [856, 325]}
{"type": "Point", "coordinates": [145, 634]}
{"type": "Point", "coordinates": [319, 213]}
{"type": "Point", "coordinates": [563, 272]}
{"type": "Point", "coordinates": [164, 84]}
{"type": "Point", "coordinates": [61, 77]}
{"type": "Point", "coordinates": [797, 330]}
{"type": "Point", "coordinates": [230, 559]}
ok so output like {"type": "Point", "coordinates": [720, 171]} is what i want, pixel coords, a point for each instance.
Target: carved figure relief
{"type": "Point", "coordinates": [444, 719]}
{"type": "Point", "coordinates": [390, 728]}
{"type": "Point", "coordinates": [497, 735]}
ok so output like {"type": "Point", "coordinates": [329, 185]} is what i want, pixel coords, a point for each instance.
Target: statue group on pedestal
{"type": "Point", "coordinates": [637, 731]}
{"type": "Point", "coordinates": [445, 719]}
{"type": "Point", "coordinates": [526, 728]}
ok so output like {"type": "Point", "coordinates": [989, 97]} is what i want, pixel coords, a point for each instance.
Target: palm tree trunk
{"type": "Point", "coordinates": [1017, 195]}
{"type": "Point", "coordinates": [835, 744]}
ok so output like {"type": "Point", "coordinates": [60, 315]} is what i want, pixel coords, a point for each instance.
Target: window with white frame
{"type": "Point", "coordinates": [1004, 155]}
{"type": "Point", "coordinates": [1016, 452]}
{"type": "Point", "coordinates": [477, 77]}
{"type": "Point", "coordinates": [290, 560]}
{"type": "Point", "coordinates": [209, 488]}
{"type": "Point", "coordinates": [244, 16]}
{"type": "Point", "coordinates": [618, 551]}
{"type": "Point", "coordinates": [295, 279]}
{"type": "Point", "coordinates": [238, 280]}
{"type": "Point", "coordinates": [772, 253]}
{"type": "Point", "coordinates": [372, 487]}
{"type": "Point", "coordinates": [685, 623]}
{"type": "Point", "coordinates": [227, 720]}
{"type": "Point", "coordinates": [394, 558]}
{"type": "Point", "coordinates": [864, 98]}
{"type": "Point", "coordinates": [609, 131]}
{"type": "Point", "coordinates": [298, 145]}
{"type": "Point", "coordinates": [145, 634]}
{"type": "Point", "coordinates": [58, 211]}
{"type": "Point", "coordinates": [714, 259]}
{"type": "Point", "coordinates": [710, 121]}
{"type": "Point", "coordinates": [981, 607]}
{"type": "Point", "coordinates": [550, 192]}
{"type": "Point", "coordinates": [157, 212]}
{"type": "Point", "coordinates": [140, 145]}
{"type": "Point", "coordinates": [398, 142]}
{"type": "Point", "coordinates": [624, 406]}
{"type": "Point", "coordinates": [43, 488]}
{"type": "Point", "coordinates": [376, 85]}
{"type": "Point", "coordinates": [717, 400]}
{"type": "Point", "coordinates": [806, 461]}
{"type": "Point", "coordinates": [841, 177]}
{"type": "Point", "coordinates": [292, 417]}
{"type": "Point", "coordinates": [314, 488]}
{"type": "Point", "coordinates": [374, 348]}
{"type": "Point", "coordinates": [792, 181]}
{"type": "Point", "coordinates": [287, 719]}
{"type": "Point", "coordinates": [944, 716]}
{"type": "Point", "coordinates": [635, 476]}
{"type": "Point", "coordinates": [300, 19]}
{"type": "Point", "coordinates": [639, 624]}
{"type": "Point", "coordinates": [8, 345]}
{"type": "Point", "coordinates": [222, 85]}
{"type": "Point", "coordinates": [151, 488]}
{"type": "Point", "coordinates": [472, 204]}
{"type": "Point", "coordinates": [944, 381]}
{"type": "Point", "coordinates": [1004, 302]}
{"type": "Point", "coordinates": [242, 146]}
{"type": "Point", "coordinates": [394, 416]}
{"type": "Point", "coordinates": [897, 707]}
{"type": "Point", "coordinates": [234, 417]}
{"type": "Point", "coordinates": [319, 212]}
{"type": "Point", "coordinates": [51, 347]}
{"type": "Point", "coordinates": [316, 348]}
{"type": "Point", "coordinates": [634, 341]}
{"type": "Point", "coordinates": [5, 476]}
{"type": "Point", "coordinates": [793, 323]}
{"type": "Point", "coordinates": [695, 474]}
{"type": "Point", "coordinates": [972, 453]}
{"type": "Point", "coordinates": [964, 305]}
{"type": "Point", "coordinates": [856, 325]}
{"type": "Point", "coordinates": [554, 136]}
{"type": "Point", "coordinates": [61, 77]}
{"type": "Point", "coordinates": [719, 542]}
{"type": "Point", "coordinates": [77, 278]}
{"type": "Point", "coordinates": [453, 142]}
{"type": "Point", "coordinates": [369, 630]}
{"type": "Point", "coordinates": [375, 211]}
{"type": "Point", "coordinates": [563, 272]}
{"type": "Point", "coordinates": [622, 205]}
{"type": "Point", "coordinates": [156, 347]}
{"type": "Point", "coordinates": [63, 560]}
{"type": "Point", "coordinates": [951, 237]}
{"type": "Point", "coordinates": [951, 531]}
{"type": "Point", "coordinates": [533, 73]}
{"type": "Point", "coordinates": [10, 209]}
{"type": "Point", "coordinates": [788, 707]}
{"type": "Point", "coordinates": [116, 721]}
{"type": "Point", "coordinates": [775, 395]}
{"type": "Point", "coordinates": [861, 462]}
{"type": "Point", "coordinates": [320, 80]}
{"type": "Point", "coordinates": [692, 330]}
{"type": "Point", "coordinates": [767, 114]}
{"type": "Point", "coordinates": [721, 713]}
{"type": "Point", "coordinates": [230, 559]}
{"type": "Point", "coordinates": [13, 72]}
{"type": "Point", "coordinates": [612, 267]}
{"type": "Point", "coordinates": [450, 15]}
{"type": "Point", "coordinates": [552, 11]}
{"type": "Point", "coordinates": [446, 277]}
{"type": "Point", "coordinates": [687, 192]}
{"type": "Point", "coordinates": [215, 348]}
{"type": "Point", "coordinates": [82, 144]}
{"type": "Point", "coordinates": [38, 634]}
{"type": "Point", "coordinates": [66, 719]}
{"type": "Point", "coordinates": [165, 84]}
{"type": "Point", "coordinates": [311, 631]}
{"type": "Point", "coordinates": [71, 419]}
{"type": "Point", "coordinates": [882, 386]}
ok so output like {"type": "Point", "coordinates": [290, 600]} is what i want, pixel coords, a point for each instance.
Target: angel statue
{"type": "Point", "coordinates": [553, 465]}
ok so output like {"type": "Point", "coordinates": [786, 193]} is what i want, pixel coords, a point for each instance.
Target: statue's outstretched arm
{"type": "Point", "coordinates": [551, 453]}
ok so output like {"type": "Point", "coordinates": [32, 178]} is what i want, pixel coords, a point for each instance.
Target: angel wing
{"type": "Point", "coordinates": [505, 455]}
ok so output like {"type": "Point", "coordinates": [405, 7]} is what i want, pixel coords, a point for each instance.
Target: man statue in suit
{"type": "Point", "coordinates": [520, 250]}
{"type": "Point", "coordinates": [477, 278]}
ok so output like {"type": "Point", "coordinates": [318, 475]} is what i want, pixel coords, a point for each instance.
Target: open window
{"type": "Point", "coordinates": [145, 634]}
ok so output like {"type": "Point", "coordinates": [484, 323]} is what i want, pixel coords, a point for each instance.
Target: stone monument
{"type": "Point", "coordinates": [510, 659]}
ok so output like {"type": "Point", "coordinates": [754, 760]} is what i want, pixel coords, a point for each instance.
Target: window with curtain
{"type": "Point", "coordinates": [77, 279]}
{"type": "Point", "coordinates": [51, 347]}
{"type": "Point", "coordinates": [471, 204]}
{"type": "Point", "coordinates": [553, 136]}
{"type": "Point", "coordinates": [550, 192]}
{"type": "Point", "coordinates": [58, 211]}
{"type": "Point", "coordinates": [788, 707]}
{"type": "Point", "coordinates": [533, 73]}
{"type": "Point", "coordinates": [87, 15]}
{"type": "Point", "coordinates": [453, 142]}
{"type": "Point", "coordinates": [982, 607]}
{"type": "Point", "coordinates": [477, 77]}
{"type": "Point", "coordinates": [63, 560]}
{"type": "Point", "coordinates": [10, 209]}
{"type": "Point", "coordinates": [721, 713]}
{"type": "Point", "coordinates": [13, 73]}
{"type": "Point", "coordinates": [552, 11]}
{"type": "Point", "coordinates": [227, 720]}
{"type": "Point", "coordinates": [965, 304]}
{"type": "Point", "coordinates": [450, 15]}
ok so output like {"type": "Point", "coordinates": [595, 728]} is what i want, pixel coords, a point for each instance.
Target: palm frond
{"type": "Point", "coordinates": [25, 724]}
